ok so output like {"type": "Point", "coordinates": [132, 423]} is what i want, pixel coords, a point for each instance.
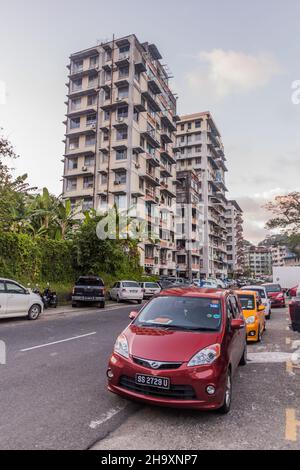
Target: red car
{"type": "Point", "coordinates": [276, 295]}
{"type": "Point", "coordinates": [293, 291]}
{"type": "Point", "coordinates": [181, 350]}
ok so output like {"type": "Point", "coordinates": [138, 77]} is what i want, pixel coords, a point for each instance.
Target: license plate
{"type": "Point", "coordinates": [151, 381]}
{"type": "Point", "coordinates": [133, 291]}
{"type": "Point", "coordinates": [88, 298]}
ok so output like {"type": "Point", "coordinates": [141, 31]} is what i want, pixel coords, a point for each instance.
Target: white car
{"type": "Point", "coordinates": [127, 290]}
{"type": "Point", "coordinates": [262, 292]}
{"type": "Point", "coordinates": [150, 289]}
{"type": "Point", "coordinates": [206, 283]}
{"type": "Point", "coordinates": [17, 301]}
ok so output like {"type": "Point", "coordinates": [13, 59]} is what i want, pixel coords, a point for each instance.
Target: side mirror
{"type": "Point", "coordinates": [237, 324]}
{"type": "Point", "coordinates": [261, 308]}
{"type": "Point", "coordinates": [133, 315]}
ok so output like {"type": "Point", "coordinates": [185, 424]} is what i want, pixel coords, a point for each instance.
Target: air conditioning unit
{"type": "Point", "coordinates": [116, 183]}
{"type": "Point", "coordinates": [93, 126]}
{"type": "Point", "coordinates": [84, 168]}
{"type": "Point", "coordinates": [137, 165]}
{"type": "Point", "coordinates": [118, 98]}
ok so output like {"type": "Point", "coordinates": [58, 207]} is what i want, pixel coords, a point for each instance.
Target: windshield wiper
{"type": "Point", "coordinates": [177, 327]}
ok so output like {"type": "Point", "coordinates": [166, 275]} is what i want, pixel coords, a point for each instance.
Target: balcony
{"type": "Point", "coordinates": [165, 170]}
{"type": "Point", "coordinates": [89, 109]}
{"type": "Point", "coordinates": [152, 137]}
{"type": "Point", "coordinates": [166, 136]}
{"type": "Point", "coordinates": [153, 83]}
{"type": "Point", "coordinates": [79, 72]}
{"type": "Point", "coordinates": [166, 119]}
{"type": "Point", "coordinates": [166, 153]}
{"type": "Point", "coordinates": [153, 160]}
{"type": "Point", "coordinates": [150, 176]}
{"type": "Point", "coordinates": [123, 59]}
{"type": "Point", "coordinates": [152, 99]}
{"type": "Point", "coordinates": [151, 195]}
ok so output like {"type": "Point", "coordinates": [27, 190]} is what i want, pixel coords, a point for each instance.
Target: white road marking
{"type": "Point", "coordinates": [269, 357]}
{"type": "Point", "coordinates": [57, 342]}
{"type": "Point", "coordinates": [106, 417]}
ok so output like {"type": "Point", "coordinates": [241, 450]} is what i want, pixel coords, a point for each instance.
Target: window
{"type": "Point", "coordinates": [93, 79]}
{"type": "Point", "coordinates": [91, 120]}
{"type": "Point", "coordinates": [72, 184]}
{"type": "Point", "coordinates": [198, 124]}
{"type": "Point", "coordinates": [93, 61]}
{"type": "Point", "coordinates": [73, 143]}
{"type": "Point", "coordinates": [87, 204]}
{"type": "Point", "coordinates": [198, 161]}
{"type": "Point", "coordinates": [181, 259]}
{"type": "Point", "coordinates": [123, 112]}
{"type": "Point", "coordinates": [89, 160]}
{"type": "Point", "coordinates": [121, 154]}
{"type": "Point", "coordinates": [190, 162]}
{"type": "Point", "coordinates": [120, 177]}
{"type": "Point", "coordinates": [198, 149]}
{"type": "Point", "coordinates": [189, 125]}
{"type": "Point", "coordinates": [120, 201]}
{"type": "Point", "coordinates": [75, 123]}
{"type": "Point", "coordinates": [123, 50]}
{"type": "Point", "coordinates": [182, 127]}
{"type": "Point", "coordinates": [108, 55]}
{"type": "Point", "coordinates": [106, 115]}
{"type": "Point", "coordinates": [92, 100]}
{"type": "Point", "coordinates": [136, 115]}
{"type": "Point", "coordinates": [107, 95]}
{"type": "Point", "coordinates": [13, 288]}
{"type": "Point", "coordinates": [90, 140]}
{"type": "Point", "coordinates": [123, 92]}
{"type": "Point", "coordinates": [105, 135]}
{"type": "Point", "coordinates": [72, 163]}
{"type": "Point", "coordinates": [103, 201]}
{"type": "Point", "coordinates": [76, 104]}
{"type": "Point", "coordinates": [122, 134]}
{"type": "Point", "coordinates": [123, 72]}
{"type": "Point", "coordinates": [77, 85]}
{"type": "Point", "coordinates": [107, 75]}
{"type": "Point", "coordinates": [2, 287]}
{"type": "Point", "coordinates": [78, 66]}
{"type": "Point", "coordinates": [88, 182]}
{"type": "Point", "coordinates": [104, 178]}
{"type": "Point", "coordinates": [182, 139]}
{"type": "Point", "coordinates": [198, 137]}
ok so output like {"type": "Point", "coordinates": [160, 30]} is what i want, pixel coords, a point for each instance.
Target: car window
{"type": "Point", "coordinates": [83, 281]}
{"type": "Point", "coordinates": [273, 288]}
{"type": "Point", "coordinates": [151, 285]}
{"type": "Point", "coordinates": [2, 287]}
{"type": "Point", "coordinates": [230, 312]}
{"type": "Point", "coordinates": [130, 284]}
{"type": "Point", "coordinates": [235, 307]}
{"type": "Point", "coordinates": [183, 313]}
{"type": "Point", "coordinates": [247, 301]}
{"type": "Point", "coordinates": [13, 288]}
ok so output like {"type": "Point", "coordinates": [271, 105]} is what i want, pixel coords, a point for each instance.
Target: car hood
{"type": "Point", "coordinates": [167, 345]}
{"type": "Point", "coordinates": [274, 294]}
{"type": "Point", "coordinates": [249, 313]}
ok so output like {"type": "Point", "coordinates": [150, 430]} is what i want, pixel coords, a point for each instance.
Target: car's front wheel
{"type": "Point", "coordinates": [34, 312]}
{"type": "Point", "coordinates": [225, 408]}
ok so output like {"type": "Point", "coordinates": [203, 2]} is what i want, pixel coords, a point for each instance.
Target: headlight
{"type": "Point", "coordinates": [250, 319]}
{"type": "Point", "coordinates": [121, 346]}
{"type": "Point", "coordinates": [206, 356]}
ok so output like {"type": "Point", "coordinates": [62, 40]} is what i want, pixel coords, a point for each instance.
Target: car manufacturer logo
{"type": "Point", "coordinates": [155, 365]}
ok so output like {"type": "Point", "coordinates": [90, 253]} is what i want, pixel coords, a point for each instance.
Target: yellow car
{"type": "Point", "coordinates": [254, 313]}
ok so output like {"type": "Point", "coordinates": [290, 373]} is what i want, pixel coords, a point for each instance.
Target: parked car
{"type": "Point", "coordinates": [181, 350]}
{"type": "Point", "coordinates": [254, 313]}
{"type": "Point", "coordinates": [206, 283]}
{"type": "Point", "coordinates": [275, 294]}
{"type": "Point", "coordinates": [293, 291]}
{"type": "Point", "coordinates": [294, 308]}
{"type": "Point", "coordinates": [89, 290]}
{"type": "Point", "coordinates": [17, 301]}
{"type": "Point", "coordinates": [127, 290]}
{"type": "Point", "coordinates": [262, 292]}
{"type": "Point", "coordinates": [150, 289]}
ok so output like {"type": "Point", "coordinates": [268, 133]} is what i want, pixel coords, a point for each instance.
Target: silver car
{"type": "Point", "coordinates": [17, 301]}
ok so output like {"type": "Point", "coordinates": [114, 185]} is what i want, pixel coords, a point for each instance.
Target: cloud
{"type": "Point", "coordinates": [255, 215]}
{"type": "Point", "coordinates": [222, 73]}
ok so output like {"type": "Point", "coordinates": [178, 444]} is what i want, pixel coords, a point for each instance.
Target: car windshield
{"type": "Point", "coordinates": [273, 288]}
{"type": "Point", "coordinates": [130, 284]}
{"type": "Point", "coordinates": [247, 301]}
{"type": "Point", "coordinates": [183, 313]}
{"type": "Point", "coordinates": [261, 292]}
{"type": "Point", "coordinates": [151, 285]}
{"type": "Point", "coordinates": [84, 281]}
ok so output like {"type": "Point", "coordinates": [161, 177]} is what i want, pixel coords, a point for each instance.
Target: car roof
{"type": "Point", "coordinates": [271, 284]}
{"type": "Point", "coordinates": [244, 291]}
{"type": "Point", "coordinates": [128, 280]}
{"type": "Point", "coordinates": [253, 287]}
{"type": "Point", "coordinates": [194, 292]}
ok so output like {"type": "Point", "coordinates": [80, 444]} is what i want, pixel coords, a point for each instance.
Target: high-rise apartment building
{"type": "Point", "coordinates": [199, 148]}
{"type": "Point", "coordinates": [279, 252]}
{"type": "Point", "coordinates": [120, 133]}
{"type": "Point", "coordinates": [258, 261]}
{"type": "Point", "coordinates": [234, 222]}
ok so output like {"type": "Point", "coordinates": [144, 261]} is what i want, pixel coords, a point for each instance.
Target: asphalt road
{"type": "Point", "coordinates": [54, 396]}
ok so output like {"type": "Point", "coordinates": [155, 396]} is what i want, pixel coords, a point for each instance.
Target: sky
{"type": "Point", "coordinates": [237, 59]}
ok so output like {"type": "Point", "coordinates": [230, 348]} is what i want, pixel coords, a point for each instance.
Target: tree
{"type": "Point", "coordinates": [286, 210]}
{"type": "Point", "coordinates": [13, 192]}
